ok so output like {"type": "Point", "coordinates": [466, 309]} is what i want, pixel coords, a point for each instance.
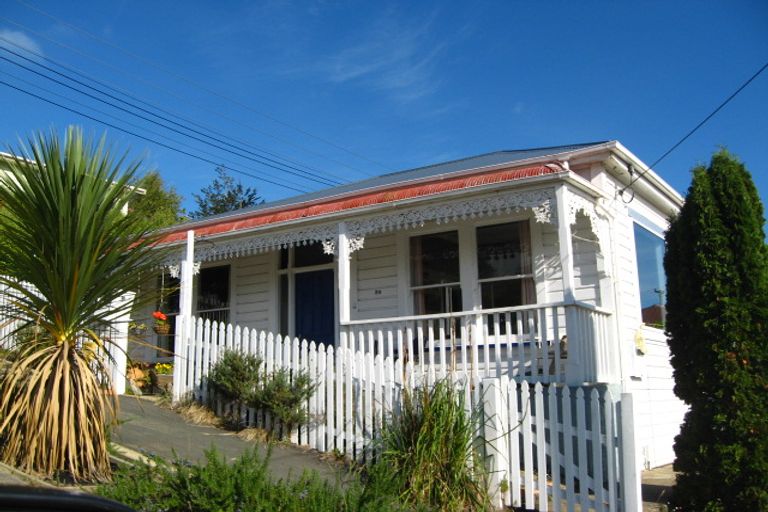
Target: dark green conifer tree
{"type": "Point", "coordinates": [717, 270]}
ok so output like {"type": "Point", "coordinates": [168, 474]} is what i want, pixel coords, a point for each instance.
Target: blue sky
{"type": "Point", "coordinates": [398, 85]}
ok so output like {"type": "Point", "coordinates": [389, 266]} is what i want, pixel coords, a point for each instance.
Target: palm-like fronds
{"type": "Point", "coordinates": [68, 254]}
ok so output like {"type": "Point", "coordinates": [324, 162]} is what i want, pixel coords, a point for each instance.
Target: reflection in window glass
{"type": "Point", "coordinates": [504, 265]}
{"type": "Point", "coordinates": [213, 294]}
{"type": "Point", "coordinates": [435, 259]}
{"type": "Point", "coordinates": [650, 271]}
{"type": "Point", "coordinates": [441, 299]}
{"type": "Point", "coordinates": [308, 255]}
{"type": "Point", "coordinates": [435, 273]}
{"type": "Point", "coordinates": [168, 304]}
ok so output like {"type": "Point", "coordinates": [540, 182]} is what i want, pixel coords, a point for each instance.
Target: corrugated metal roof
{"type": "Point", "coordinates": [363, 199]}
{"type": "Point", "coordinates": [395, 178]}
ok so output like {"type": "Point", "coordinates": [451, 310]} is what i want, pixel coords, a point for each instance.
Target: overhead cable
{"type": "Point", "coordinates": [694, 130]}
{"type": "Point", "coordinates": [133, 125]}
{"type": "Point", "coordinates": [173, 94]}
{"type": "Point", "coordinates": [159, 108]}
{"type": "Point", "coordinates": [265, 161]}
{"type": "Point", "coordinates": [197, 84]}
{"type": "Point", "coordinates": [105, 123]}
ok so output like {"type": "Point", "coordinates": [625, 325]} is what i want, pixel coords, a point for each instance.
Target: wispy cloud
{"type": "Point", "coordinates": [396, 57]}
{"type": "Point", "coordinates": [13, 40]}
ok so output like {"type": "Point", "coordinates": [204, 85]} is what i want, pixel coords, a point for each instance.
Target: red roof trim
{"type": "Point", "coordinates": [362, 200]}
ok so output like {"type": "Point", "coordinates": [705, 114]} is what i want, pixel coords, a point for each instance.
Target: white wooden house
{"type": "Point", "coordinates": [528, 263]}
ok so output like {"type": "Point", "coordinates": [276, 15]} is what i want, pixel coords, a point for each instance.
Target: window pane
{"type": "Point", "coordinates": [443, 299]}
{"type": "Point", "coordinates": [283, 258]}
{"type": "Point", "coordinates": [284, 304]}
{"type": "Point", "coordinates": [503, 250]}
{"type": "Point", "coordinates": [512, 292]}
{"type": "Point", "coordinates": [435, 258]}
{"type": "Point", "coordinates": [650, 270]}
{"type": "Point", "coordinates": [213, 292]}
{"type": "Point", "coordinates": [308, 255]}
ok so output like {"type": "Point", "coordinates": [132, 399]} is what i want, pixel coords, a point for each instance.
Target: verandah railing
{"type": "Point", "coordinates": [536, 343]}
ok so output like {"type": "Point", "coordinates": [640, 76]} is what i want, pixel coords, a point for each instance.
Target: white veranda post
{"type": "Point", "coordinates": [184, 319]}
{"type": "Point", "coordinates": [572, 369]}
{"type": "Point", "coordinates": [343, 278]}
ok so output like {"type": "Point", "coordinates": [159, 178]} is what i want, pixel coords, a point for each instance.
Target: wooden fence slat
{"type": "Point", "coordinates": [570, 490]}
{"type": "Point", "coordinates": [541, 454]}
{"type": "Point", "coordinates": [515, 425]}
{"type": "Point", "coordinates": [554, 444]}
{"type": "Point", "coordinates": [525, 399]}
{"type": "Point", "coordinates": [316, 378]}
{"type": "Point", "coordinates": [597, 452]}
{"type": "Point", "coordinates": [581, 454]}
{"type": "Point", "coordinates": [610, 450]}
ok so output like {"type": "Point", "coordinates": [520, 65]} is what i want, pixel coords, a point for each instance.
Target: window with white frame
{"type": "Point", "coordinates": [649, 249]}
{"type": "Point", "coordinates": [504, 265]}
{"type": "Point", "coordinates": [435, 283]}
{"type": "Point", "coordinates": [168, 303]}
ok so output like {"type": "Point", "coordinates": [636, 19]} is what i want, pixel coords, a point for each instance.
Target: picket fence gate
{"type": "Point", "coordinates": [546, 444]}
{"type": "Point", "coordinates": [552, 446]}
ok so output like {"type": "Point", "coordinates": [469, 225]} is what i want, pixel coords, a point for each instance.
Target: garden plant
{"type": "Point", "coordinates": [70, 255]}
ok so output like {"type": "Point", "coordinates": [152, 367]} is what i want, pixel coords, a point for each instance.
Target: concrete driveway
{"type": "Point", "coordinates": [149, 428]}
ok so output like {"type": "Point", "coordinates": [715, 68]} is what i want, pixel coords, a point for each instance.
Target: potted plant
{"type": "Point", "coordinates": [137, 328]}
{"type": "Point", "coordinates": [162, 326]}
{"type": "Point", "coordinates": [164, 376]}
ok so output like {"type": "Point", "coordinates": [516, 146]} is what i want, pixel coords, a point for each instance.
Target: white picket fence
{"type": "Point", "coordinates": [354, 388]}
{"type": "Point", "coordinates": [549, 443]}
{"type": "Point", "coordinates": [553, 446]}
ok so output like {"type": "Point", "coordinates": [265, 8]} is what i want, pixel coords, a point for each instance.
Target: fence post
{"type": "Point", "coordinates": [496, 443]}
{"type": "Point", "coordinates": [630, 470]}
{"type": "Point", "coordinates": [184, 318]}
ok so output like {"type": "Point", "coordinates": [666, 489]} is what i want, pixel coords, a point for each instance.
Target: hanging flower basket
{"type": "Point", "coordinates": [162, 326]}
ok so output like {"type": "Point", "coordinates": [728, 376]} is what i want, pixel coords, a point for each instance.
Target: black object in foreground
{"type": "Point", "coordinates": [20, 498]}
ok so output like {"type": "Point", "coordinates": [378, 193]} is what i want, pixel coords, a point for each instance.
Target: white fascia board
{"type": "Point", "coordinates": [651, 176]}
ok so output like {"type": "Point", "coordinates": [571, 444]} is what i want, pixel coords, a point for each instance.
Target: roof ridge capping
{"type": "Point", "coordinates": [560, 149]}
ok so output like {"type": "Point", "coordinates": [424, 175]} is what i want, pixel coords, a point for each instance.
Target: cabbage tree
{"type": "Point", "coordinates": [68, 254]}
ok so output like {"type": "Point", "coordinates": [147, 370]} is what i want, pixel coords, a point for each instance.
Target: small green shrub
{"type": "Point", "coordinates": [243, 485]}
{"type": "Point", "coordinates": [428, 457]}
{"type": "Point", "coordinates": [285, 398]}
{"type": "Point", "coordinates": [235, 376]}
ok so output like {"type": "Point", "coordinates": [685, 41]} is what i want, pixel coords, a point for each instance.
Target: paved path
{"type": "Point", "coordinates": [657, 487]}
{"type": "Point", "coordinates": [146, 427]}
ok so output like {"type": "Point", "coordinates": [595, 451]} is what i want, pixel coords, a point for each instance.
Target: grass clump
{"type": "Point", "coordinates": [427, 453]}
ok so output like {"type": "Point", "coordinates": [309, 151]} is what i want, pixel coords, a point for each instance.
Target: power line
{"type": "Point", "coordinates": [694, 130]}
{"type": "Point", "coordinates": [258, 159]}
{"type": "Point", "coordinates": [312, 177]}
{"type": "Point", "coordinates": [133, 125]}
{"type": "Point", "coordinates": [161, 109]}
{"type": "Point", "coordinates": [196, 84]}
{"type": "Point", "coordinates": [213, 162]}
{"type": "Point", "coordinates": [172, 94]}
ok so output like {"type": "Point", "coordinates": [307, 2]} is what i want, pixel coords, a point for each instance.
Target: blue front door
{"type": "Point", "coordinates": [314, 306]}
